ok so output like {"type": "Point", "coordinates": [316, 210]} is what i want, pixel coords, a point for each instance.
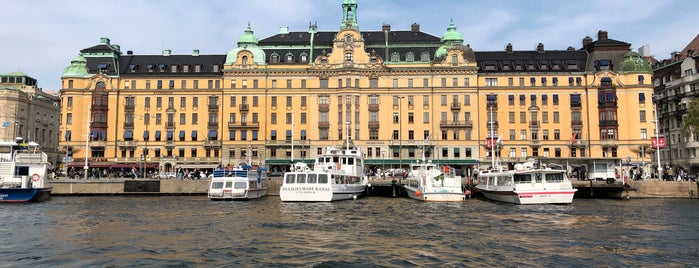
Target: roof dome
{"type": "Point", "coordinates": [77, 68]}
{"type": "Point", "coordinates": [452, 36]}
{"type": "Point", "coordinates": [248, 42]}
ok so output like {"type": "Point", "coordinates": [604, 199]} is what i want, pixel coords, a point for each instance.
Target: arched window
{"type": "Point", "coordinates": [304, 57]}
{"type": "Point", "coordinates": [348, 56]}
{"type": "Point", "coordinates": [245, 61]}
{"type": "Point", "coordinates": [289, 57]}
{"type": "Point", "coordinates": [424, 56]}
{"type": "Point", "coordinates": [275, 58]}
{"type": "Point", "coordinates": [454, 59]}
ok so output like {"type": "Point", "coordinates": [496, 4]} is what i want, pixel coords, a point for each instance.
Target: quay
{"type": "Point", "coordinates": [379, 187]}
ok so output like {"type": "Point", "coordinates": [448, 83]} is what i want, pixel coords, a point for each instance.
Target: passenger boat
{"type": "Point", "coordinates": [528, 183]}
{"type": "Point", "coordinates": [238, 184]}
{"type": "Point", "coordinates": [338, 174]}
{"type": "Point", "coordinates": [23, 172]}
{"type": "Point", "coordinates": [428, 182]}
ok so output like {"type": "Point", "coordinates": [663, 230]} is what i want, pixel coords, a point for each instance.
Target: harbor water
{"type": "Point", "coordinates": [191, 231]}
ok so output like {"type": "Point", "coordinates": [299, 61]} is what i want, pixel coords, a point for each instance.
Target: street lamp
{"type": "Point", "coordinates": [400, 133]}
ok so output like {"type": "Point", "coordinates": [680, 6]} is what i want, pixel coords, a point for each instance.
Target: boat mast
{"type": "Point", "coordinates": [87, 139]}
{"type": "Point", "coordinates": [492, 146]}
{"type": "Point", "coordinates": [347, 135]}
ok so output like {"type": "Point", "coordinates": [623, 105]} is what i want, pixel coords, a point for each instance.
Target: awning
{"type": "Point", "coordinates": [169, 135]}
{"type": "Point", "coordinates": [146, 134]}
{"type": "Point", "coordinates": [194, 134]}
{"type": "Point", "coordinates": [133, 165]}
{"type": "Point", "coordinates": [287, 161]}
{"type": "Point", "coordinates": [273, 133]}
{"type": "Point", "coordinates": [67, 135]}
{"type": "Point", "coordinates": [288, 134]}
{"type": "Point", "coordinates": [641, 97]}
{"type": "Point", "coordinates": [181, 134]}
{"type": "Point", "coordinates": [128, 134]}
{"type": "Point", "coordinates": [492, 97]}
{"type": "Point", "coordinates": [243, 134]}
{"type": "Point", "coordinates": [213, 134]}
{"type": "Point", "coordinates": [157, 134]}
{"type": "Point", "coordinates": [231, 135]}
{"type": "Point", "coordinates": [303, 134]}
{"type": "Point", "coordinates": [392, 161]}
{"type": "Point", "coordinates": [254, 135]}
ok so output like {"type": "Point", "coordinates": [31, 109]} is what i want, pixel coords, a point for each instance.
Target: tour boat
{"type": "Point", "coordinates": [527, 184]}
{"type": "Point", "coordinates": [428, 182]}
{"type": "Point", "coordinates": [238, 184]}
{"type": "Point", "coordinates": [23, 172]}
{"type": "Point", "coordinates": [338, 174]}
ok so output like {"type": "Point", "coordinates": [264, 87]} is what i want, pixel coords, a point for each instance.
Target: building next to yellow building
{"type": "Point", "coordinates": [29, 113]}
{"type": "Point", "coordinates": [394, 94]}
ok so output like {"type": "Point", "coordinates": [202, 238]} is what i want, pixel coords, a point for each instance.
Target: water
{"type": "Point", "coordinates": [191, 231]}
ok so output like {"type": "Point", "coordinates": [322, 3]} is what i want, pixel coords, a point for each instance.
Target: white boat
{"type": "Point", "coordinates": [429, 182]}
{"type": "Point", "coordinates": [238, 184]}
{"type": "Point", "coordinates": [527, 184]}
{"type": "Point", "coordinates": [23, 172]}
{"type": "Point", "coordinates": [338, 174]}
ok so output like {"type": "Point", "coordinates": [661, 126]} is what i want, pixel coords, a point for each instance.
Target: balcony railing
{"type": "Point", "coordinates": [456, 124]}
{"type": "Point", "coordinates": [323, 107]}
{"type": "Point", "coordinates": [373, 107]}
{"type": "Point", "coordinates": [243, 125]}
{"type": "Point", "coordinates": [324, 124]}
{"type": "Point", "coordinates": [373, 124]}
{"type": "Point", "coordinates": [212, 143]}
{"type": "Point", "coordinates": [169, 125]}
{"type": "Point", "coordinates": [244, 107]}
{"type": "Point", "coordinates": [456, 106]}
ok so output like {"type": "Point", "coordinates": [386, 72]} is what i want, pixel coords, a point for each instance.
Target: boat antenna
{"type": "Point", "coordinates": [347, 135]}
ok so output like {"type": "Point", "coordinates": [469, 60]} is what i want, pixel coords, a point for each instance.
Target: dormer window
{"type": "Point", "coordinates": [304, 57]}
{"type": "Point", "coordinates": [572, 65]}
{"type": "Point", "coordinates": [197, 68]}
{"type": "Point", "coordinates": [215, 68]}
{"type": "Point", "coordinates": [245, 61]}
{"type": "Point", "coordinates": [289, 57]}
{"type": "Point", "coordinates": [424, 56]}
{"type": "Point", "coordinates": [531, 66]}
{"type": "Point", "coordinates": [275, 58]}
{"type": "Point", "coordinates": [489, 65]}
{"type": "Point", "coordinates": [395, 56]}
{"type": "Point", "coordinates": [519, 66]}
{"type": "Point", "coordinates": [161, 68]}
{"type": "Point", "coordinates": [543, 65]}
{"type": "Point", "coordinates": [185, 68]}
{"type": "Point", "coordinates": [103, 67]}
{"type": "Point", "coordinates": [133, 68]}
{"type": "Point", "coordinates": [348, 56]}
{"type": "Point", "coordinates": [507, 65]}
{"type": "Point", "coordinates": [173, 68]}
{"type": "Point", "coordinates": [603, 64]}
{"type": "Point", "coordinates": [410, 57]}
{"type": "Point", "coordinates": [150, 68]}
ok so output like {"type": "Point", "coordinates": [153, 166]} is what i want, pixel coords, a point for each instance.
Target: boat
{"type": "Point", "coordinates": [429, 182]}
{"type": "Point", "coordinates": [527, 183]}
{"type": "Point", "coordinates": [338, 174]}
{"type": "Point", "coordinates": [24, 171]}
{"type": "Point", "coordinates": [238, 184]}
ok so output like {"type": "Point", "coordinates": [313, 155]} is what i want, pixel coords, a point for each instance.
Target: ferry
{"type": "Point", "coordinates": [338, 174]}
{"type": "Point", "coordinates": [24, 171]}
{"type": "Point", "coordinates": [528, 183]}
{"type": "Point", "coordinates": [238, 184]}
{"type": "Point", "coordinates": [428, 182]}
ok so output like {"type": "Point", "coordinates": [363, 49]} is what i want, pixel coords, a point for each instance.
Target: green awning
{"type": "Point", "coordinates": [392, 161]}
{"type": "Point", "coordinates": [287, 161]}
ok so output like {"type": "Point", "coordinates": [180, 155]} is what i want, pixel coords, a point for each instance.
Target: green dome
{"type": "Point", "coordinates": [452, 36]}
{"type": "Point", "coordinates": [633, 62]}
{"type": "Point", "coordinates": [77, 68]}
{"type": "Point", "coordinates": [248, 42]}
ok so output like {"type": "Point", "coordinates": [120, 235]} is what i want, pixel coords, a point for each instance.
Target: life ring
{"type": "Point", "coordinates": [446, 169]}
{"type": "Point", "coordinates": [36, 177]}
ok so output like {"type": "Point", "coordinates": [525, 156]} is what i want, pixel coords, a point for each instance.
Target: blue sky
{"type": "Point", "coordinates": [40, 38]}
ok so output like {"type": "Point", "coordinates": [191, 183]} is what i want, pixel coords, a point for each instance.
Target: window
{"type": "Point", "coordinates": [556, 117]}
{"type": "Point", "coordinates": [642, 115]}
{"type": "Point", "coordinates": [491, 82]}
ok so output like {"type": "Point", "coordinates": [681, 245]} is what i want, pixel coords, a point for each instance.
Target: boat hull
{"type": "Point", "coordinates": [239, 195]}
{"type": "Point", "coordinates": [18, 195]}
{"type": "Point", "coordinates": [531, 197]}
{"type": "Point", "coordinates": [318, 193]}
{"type": "Point", "coordinates": [435, 196]}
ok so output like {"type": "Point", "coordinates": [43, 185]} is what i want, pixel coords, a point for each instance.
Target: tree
{"type": "Point", "coordinates": [690, 124]}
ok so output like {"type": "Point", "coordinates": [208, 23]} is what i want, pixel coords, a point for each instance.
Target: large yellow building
{"type": "Point", "coordinates": [394, 94]}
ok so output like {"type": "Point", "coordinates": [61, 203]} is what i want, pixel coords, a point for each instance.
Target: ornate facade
{"type": "Point", "coordinates": [394, 94]}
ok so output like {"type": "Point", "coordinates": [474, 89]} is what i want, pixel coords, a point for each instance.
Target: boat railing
{"type": "Point", "coordinates": [219, 173]}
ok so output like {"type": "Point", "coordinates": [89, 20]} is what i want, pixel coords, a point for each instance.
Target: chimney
{"type": "Point", "coordinates": [690, 52]}
{"type": "Point", "coordinates": [508, 48]}
{"type": "Point", "coordinates": [415, 27]}
{"type": "Point", "coordinates": [540, 48]}
{"type": "Point", "coordinates": [386, 27]}
{"type": "Point", "coordinates": [129, 52]}
{"type": "Point", "coordinates": [587, 40]}
{"type": "Point", "coordinates": [167, 52]}
{"type": "Point", "coordinates": [602, 35]}
{"type": "Point", "coordinates": [676, 55]}
{"type": "Point", "coordinates": [104, 41]}
{"type": "Point", "coordinates": [284, 29]}
{"type": "Point", "coordinates": [195, 52]}
{"type": "Point", "coordinates": [570, 49]}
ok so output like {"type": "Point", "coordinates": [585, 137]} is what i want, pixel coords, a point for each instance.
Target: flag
{"type": "Point", "coordinates": [499, 140]}
{"type": "Point", "coordinates": [572, 139]}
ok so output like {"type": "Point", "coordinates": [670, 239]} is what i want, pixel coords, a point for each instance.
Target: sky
{"type": "Point", "coordinates": [40, 37]}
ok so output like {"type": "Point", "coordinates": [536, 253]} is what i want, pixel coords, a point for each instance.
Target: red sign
{"type": "Point", "coordinates": [489, 143]}
{"type": "Point", "coordinates": [657, 142]}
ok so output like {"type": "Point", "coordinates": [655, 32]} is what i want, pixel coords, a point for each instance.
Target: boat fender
{"type": "Point", "coordinates": [467, 192]}
{"type": "Point", "coordinates": [418, 193]}
{"type": "Point", "coordinates": [35, 177]}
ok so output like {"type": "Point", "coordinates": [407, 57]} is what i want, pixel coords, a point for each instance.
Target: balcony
{"type": "Point", "coordinates": [127, 144]}
{"type": "Point", "coordinates": [373, 124]}
{"type": "Point", "coordinates": [213, 124]}
{"type": "Point", "coordinates": [608, 123]}
{"type": "Point", "coordinates": [169, 125]}
{"type": "Point", "coordinates": [212, 143]}
{"type": "Point", "coordinates": [456, 124]}
{"type": "Point", "coordinates": [534, 124]}
{"type": "Point", "coordinates": [578, 143]}
{"type": "Point", "coordinates": [323, 107]}
{"type": "Point", "coordinates": [98, 143]}
{"type": "Point", "coordinates": [535, 143]}
{"type": "Point", "coordinates": [128, 124]}
{"type": "Point", "coordinates": [130, 107]}
{"type": "Point", "coordinates": [243, 125]}
{"type": "Point", "coordinates": [323, 125]}
{"type": "Point", "coordinates": [244, 107]}
{"type": "Point", "coordinates": [576, 123]}
{"type": "Point", "coordinates": [373, 107]}
{"type": "Point", "coordinates": [213, 107]}
{"type": "Point", "coordinates": [455, 106]}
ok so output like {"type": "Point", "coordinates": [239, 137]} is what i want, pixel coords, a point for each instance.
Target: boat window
{"type": "Point", "coordinates": [290, 178]}
{"type": "Point", "coordinates": [554, 177]}
{"type": "Point", "coordinates": [229, 184]}
{"type": "Point", "coordinates": [253, 184]}
{"type": "Point", "coordinates": [312, 178]}
{"type": "Point", "coordinates": [503, 180]}
{"type": "Point", "coordinates": [538, 177]}
{"type": "Point", "coordinates": [323, 178]}
{"type": "Point", "coordinates": [350, 161]}
{"type": "Point", "coordinates": [523, 178]}
{"type": "Point", "coordinates": [240, 185]}
{"type": "Point", "coordinates": [301, 178]}
{"type": "Point", "coordinates": [217, 185]}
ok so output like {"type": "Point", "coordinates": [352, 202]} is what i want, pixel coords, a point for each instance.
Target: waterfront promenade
{"type": "Point", "coordinates": [379, 187]}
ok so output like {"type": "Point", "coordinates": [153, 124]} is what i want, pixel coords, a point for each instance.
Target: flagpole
{"type": "Point", "coordinates": [492, 146]}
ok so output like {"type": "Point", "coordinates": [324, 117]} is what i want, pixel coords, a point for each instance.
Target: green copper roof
{"type": "Point", "coordinates": [452, 36]}
{"type": "Point", "coordinates": [77, 68]}
{"type": "Point", "coordinates": [633, 62]}
{"type": "Point", "coordinates": [349, 1]}
{"type": "Point", "coordinates": [247, 41]}
{"type": "Point", "coordinates": [248, 38]}
{"type": "Point", "coordinates": [16, 73]}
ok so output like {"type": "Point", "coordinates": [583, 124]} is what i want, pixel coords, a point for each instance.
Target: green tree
{"type": "Point", "coordinates": [690, 124]}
